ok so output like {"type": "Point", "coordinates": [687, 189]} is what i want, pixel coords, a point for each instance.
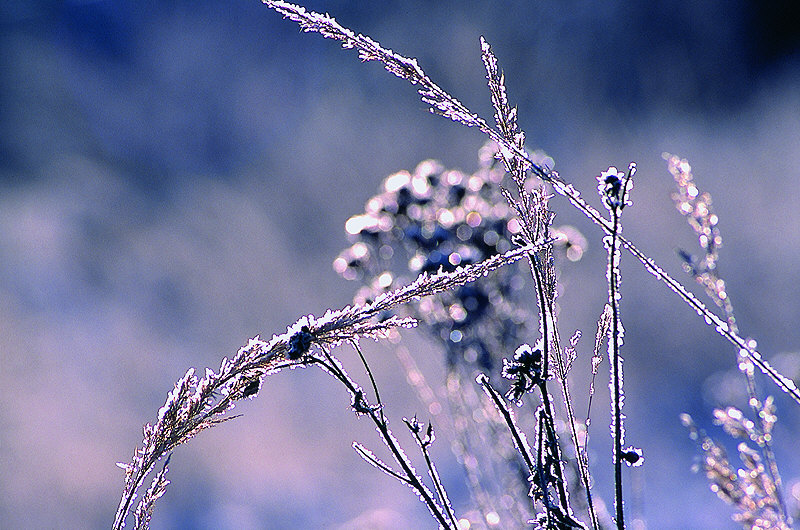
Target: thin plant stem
{"type": "Point", "coordinates": [551, 337]}
{"type": "Point", "coordinates": [546, 312]}
{"type": "Point", "coordinates": [357, 348]}
{"type": "Point", "coordinates": [519, 438]}
{"type": "Point", "coordinates": [580, 455]}
{"type": "Point", "coordinates": [613, 267]}
{"type": "Point", "coordinates": [556, 448]}
{"type": "Point", "coordinates": [615, 194]}
{"type": "Point", "coordinates": [409, 475]}
{"type": "Point", "coordinates": [424, 444]}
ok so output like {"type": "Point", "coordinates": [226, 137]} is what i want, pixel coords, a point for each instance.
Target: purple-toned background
{"type": "Point", "coordinates": [175, 177]}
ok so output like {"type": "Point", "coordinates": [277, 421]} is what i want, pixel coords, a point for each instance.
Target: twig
{"type": "Point", "coordinates": [361, 406]}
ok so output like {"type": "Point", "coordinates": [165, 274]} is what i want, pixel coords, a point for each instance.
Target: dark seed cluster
{"type": "Point", "coordinates": [299, 343]}
{"type": "Point", "coordinates": [525, 371]}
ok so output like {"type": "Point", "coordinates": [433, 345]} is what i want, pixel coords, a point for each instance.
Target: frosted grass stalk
{"type": "Point", "coordinates": [446, 105]}
{"type": "Point", "coordinates": [536, 219]}
{"type": "Point", "coordinates": [197, 404]}
{"type": "Point", "coordinates": [614, 188]}
{"type": "Point", "coordinates": [698, 210]}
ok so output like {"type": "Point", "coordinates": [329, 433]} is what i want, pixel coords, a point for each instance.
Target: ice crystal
{"type": "Point", "coordinates": [615, 186]}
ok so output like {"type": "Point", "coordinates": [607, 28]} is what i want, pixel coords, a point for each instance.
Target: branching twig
{"type": "Point", "coordinates": [424, 442]}
{"type": "Point", "coordinates": [408, 475]}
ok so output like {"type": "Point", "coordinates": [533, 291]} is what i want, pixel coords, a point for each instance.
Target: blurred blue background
{"type": "Point", "coordinates": [175, 177]}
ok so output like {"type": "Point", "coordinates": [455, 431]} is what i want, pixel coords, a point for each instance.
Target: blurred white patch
{"type": "Point", "coordinates": [381, 519]}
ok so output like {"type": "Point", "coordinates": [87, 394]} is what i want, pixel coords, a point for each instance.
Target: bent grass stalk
{"type": "Point", "coordinates": [197, 404]}
{"type": "Point", "coordinates": [444, 104]}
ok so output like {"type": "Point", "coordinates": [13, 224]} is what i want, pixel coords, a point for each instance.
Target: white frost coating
{"type": "Point", "coordinates": [483, 380]}
{"type": "Point", "coordinates": [177, 393]}
{"type": "Point", "coordinates": [370, 457]}
{"type": "Point", "coordinates": [617, 399]}
{"type": "Point", "coordinates": [420, 489]}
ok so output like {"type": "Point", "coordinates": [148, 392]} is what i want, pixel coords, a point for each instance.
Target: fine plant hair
{"type": "Point", "coordinates": [546, 455]}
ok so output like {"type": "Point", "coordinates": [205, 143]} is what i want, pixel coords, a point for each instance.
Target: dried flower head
{"type": "Point", "coordinates": [615, 186]}
{"type": "Point", "coordinates": [437, 219]}
{"type": "Point", "coordinates": [525, 370]}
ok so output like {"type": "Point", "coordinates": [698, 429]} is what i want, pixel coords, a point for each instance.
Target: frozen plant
{"type": "Point", "coordinates": [435, 219]}
{"type": "Point", "coordinates": [450, 230]}
{"type": "Point", "coordinates": [197, 404]}
{"type": "Point", "coordinates": [760, 499]}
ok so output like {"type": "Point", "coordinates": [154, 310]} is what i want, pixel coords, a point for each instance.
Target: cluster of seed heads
{"type": "Point", "coordinates": [437, 219]}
